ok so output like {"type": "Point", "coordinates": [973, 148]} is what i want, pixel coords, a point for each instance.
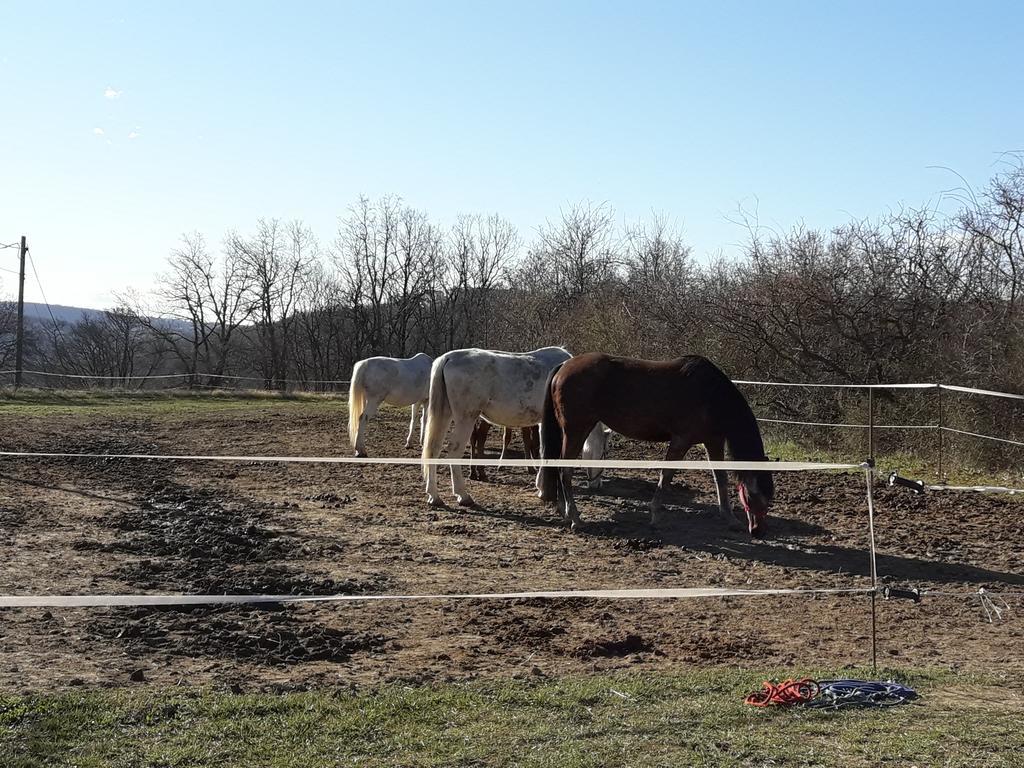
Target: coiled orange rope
{"type": "Point", "coordinates": [784, 693]}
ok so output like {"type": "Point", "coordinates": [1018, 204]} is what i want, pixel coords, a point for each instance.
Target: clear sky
{"type": "Point", "coordinates": [125, 124]}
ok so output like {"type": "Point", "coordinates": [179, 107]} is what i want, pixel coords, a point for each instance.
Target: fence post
{"type": "Point", "coordinates": [869, 474]}
{"type": "Point", "coordinates": [871, 424]}
{"type": "Point", "coordinates": [941, 424]}
{"type": "Point", "coordinates": [19, 355]}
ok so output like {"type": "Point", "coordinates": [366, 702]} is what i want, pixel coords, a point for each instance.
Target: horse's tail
{"type": "Point", "coordinates": [550, 443]}
{"type": "Point", "coordinates": [439, 413]}
{"type": "Point", "coordinates": [356, 400]}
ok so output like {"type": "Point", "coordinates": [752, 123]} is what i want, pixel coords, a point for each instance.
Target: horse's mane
{"type": "Point", "coordinates": [728, 407]}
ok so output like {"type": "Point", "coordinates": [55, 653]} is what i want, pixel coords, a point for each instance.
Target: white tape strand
{"type": "Point", "coordinates": [835, 386]}
{"type": "Point", "coordinates": [146, 377]}
{"type": "Point", "coordinates": [983, 437]}
{"type": "Point", "coordinates": [849, 426]}
{"type": "Point", "coordinates": [773, 466]}
{"type": "Point", "coordinates": [977, 488]}
{"type": "Point", "coordinates": [987, 392]}
{"type": "Point", "coordinates": [670, 593]}
{"type": "Point", "coordinates": [231, 377]}
{"type": "Point", "coordinates": [55, 375]}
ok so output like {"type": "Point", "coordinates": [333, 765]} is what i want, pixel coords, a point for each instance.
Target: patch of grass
{"type": "Point", "coordinates": [695, 718]}
{"type": "Point", "coordinates": [908, 464]}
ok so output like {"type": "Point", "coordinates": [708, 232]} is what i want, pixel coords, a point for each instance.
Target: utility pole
{"type": "Point", "coordinates": [20, 349]}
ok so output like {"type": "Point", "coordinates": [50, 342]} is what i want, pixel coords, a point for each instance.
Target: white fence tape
{"type": "Point", "coordinates": [146, 377]}
{"type": "Point", "coordinates": [231, 377]}
{"type": "Point", "coordinates": [774, 466]}
{"type": "Point", "coordinates": [113, 601]}
{"type": "Point", "coordinates": [973, 391]}
{"type": "Point", "coordinates": [978, 488]}
{"type": "Point", "coordinates": [835, 386]}
{"type": "Point", "coordinates": [98, 378]}
{"type": "Point", "coordinates": [849, 426]}
{"type": "Point", "coordinates": [983, 437]}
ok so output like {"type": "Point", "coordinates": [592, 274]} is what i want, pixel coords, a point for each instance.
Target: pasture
{"type": "Point", "coordinates": [81, 526]}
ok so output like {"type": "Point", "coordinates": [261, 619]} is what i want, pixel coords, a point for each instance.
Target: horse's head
{"type": "Point", "coordinates": [756, 491]}
{"type": "Point", "coordinates": [596, 447]}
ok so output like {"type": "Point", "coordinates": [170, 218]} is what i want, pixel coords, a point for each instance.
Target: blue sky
{"type": "Point", "coordinates": [214, 114]}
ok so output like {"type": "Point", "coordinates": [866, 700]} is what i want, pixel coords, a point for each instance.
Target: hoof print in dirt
{"type": "Point", "coordinates": [639, 544]}
{"type": "Point", "coordinates": [200, 541]}
{"type": "Point", "coordinates": [624, 646]}
{"type": "Point", "coordinates": [331, 500]}
{"type": "Point", "coordinates": [269, 639]}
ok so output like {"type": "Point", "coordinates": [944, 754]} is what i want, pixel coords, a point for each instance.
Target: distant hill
{"type": "Point", "coordinates": [61, 313]}
{"type": "Point", "coordinates": [37, 313]}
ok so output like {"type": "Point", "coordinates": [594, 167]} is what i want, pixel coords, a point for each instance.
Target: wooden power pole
{"type": "Point", "coordinates": [20, 348]}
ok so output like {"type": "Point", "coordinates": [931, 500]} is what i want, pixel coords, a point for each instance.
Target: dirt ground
{"type": "Point", "coordinates": [88, 526]}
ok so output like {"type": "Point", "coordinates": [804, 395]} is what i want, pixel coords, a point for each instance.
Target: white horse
{"type": "Point", "coordinates": [389, 380]}
{"type": "Point", "coordinates": [505, 388]}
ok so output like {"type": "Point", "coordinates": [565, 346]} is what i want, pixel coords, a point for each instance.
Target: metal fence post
{"type": "Point", "coordinates": [941, 426]}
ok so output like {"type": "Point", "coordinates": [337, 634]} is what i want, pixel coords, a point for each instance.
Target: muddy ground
{"type": "Point", "coordinates": [88, 526]}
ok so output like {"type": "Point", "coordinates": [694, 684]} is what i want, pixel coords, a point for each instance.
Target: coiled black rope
{"type": "Point", "coordinates": [837, 694]}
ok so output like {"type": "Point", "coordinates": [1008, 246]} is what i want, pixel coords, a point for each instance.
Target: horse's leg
{"type": "Point", "coordinates": [461, 435]}
{"type": "Point", "coordinates": [423, 419]}
{"type": "Point", "coordinates": [412, 427]}
{"type": "Point", "coordinates": [368, 413]}
{"type": "Point", "coordinates": [572, 447]}
{"type": "Point", "coordinates": [531, 444]}
{"type": "Point", "coordinates": [506, 441]}
{"type": "Point", "coordinates": [477, 443]}
{"type": "Point", "coordinates": [677, 448]}
{"type": "Point", "coordinates": [716, 452]}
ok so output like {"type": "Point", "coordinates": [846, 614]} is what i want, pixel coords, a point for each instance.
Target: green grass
{"type": "Point", "coordinates": [696, 718]}
{"type": "Point", "coordinates": [908, 464]}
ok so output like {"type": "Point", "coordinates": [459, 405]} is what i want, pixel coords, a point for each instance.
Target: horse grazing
{"type": "Point", "coordinates": [391, 380]}
{"type": "Point", "coordinates": [682, 402]}
{"type": "Point", "coordinates": [506, 388]}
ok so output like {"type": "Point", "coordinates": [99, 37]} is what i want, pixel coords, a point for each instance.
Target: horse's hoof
{"type": "Point", "coordinates": [549, 497]}
{"type": "Point", "coordinates": [435, 501]}
{"type": "Point", "coordinates": [361, 454]}
{"type": "Point", "coordinates": [408, 445]}
{"type": "Point", "coordinates": [465, 501]}
{"type": "Point", "coordinates": [576, 526]}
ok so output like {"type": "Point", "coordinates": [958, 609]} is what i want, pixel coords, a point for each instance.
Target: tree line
{"type": "Point", "coordinates": [910, 295]}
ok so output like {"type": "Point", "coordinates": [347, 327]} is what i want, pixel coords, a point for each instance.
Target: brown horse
{"type": "Point", "coordinates": [531, 445]}
{"type": "Point", "coordinates": [682, 402]}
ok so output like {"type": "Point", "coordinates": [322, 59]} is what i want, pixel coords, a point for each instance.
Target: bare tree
{"type": "Point", "coordinates": [481, 253]}
{"type": "Point", "coordinates": [580, 249]}
{"type": "Point", "coordinates": [8, 333]}
{"type": "Point", "coordinates": [200, 303]}
{"type": "Point", "coordinates": [277, 259]}
{"type": "Point", "coordinates": [660, 301]}
{"type": "Point", "coordinates": [114, 347]}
